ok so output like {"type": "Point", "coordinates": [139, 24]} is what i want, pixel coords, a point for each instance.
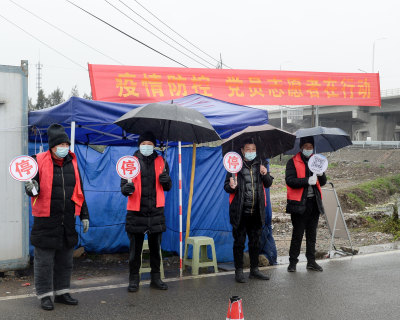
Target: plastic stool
{"type": "Point", "coordinates": [147, 268]}
{"type": "Point", "coordinates": [199, 256]}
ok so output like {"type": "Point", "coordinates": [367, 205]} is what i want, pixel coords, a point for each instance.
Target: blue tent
{"type": "Point", "coordinates": [107, 206]}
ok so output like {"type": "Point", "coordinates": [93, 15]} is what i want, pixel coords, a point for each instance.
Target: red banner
{"type": "Point", "coordinates": [141, 85]}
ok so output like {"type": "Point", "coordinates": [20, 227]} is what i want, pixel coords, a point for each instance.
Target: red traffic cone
{"type": "Point", "coordinates": [235, 310]}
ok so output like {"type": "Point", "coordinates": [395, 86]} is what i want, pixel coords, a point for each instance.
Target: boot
{"type": "Point", "coordinates": [157, 283]}
{"type": "Point", "coordinates": [134, 280]}
{"type": "Point", "coordinates": [312, 265]}
{"type": "Point", "coordinates": [239, 276]}
{"type": "Point", "coordinates": [46, 303]}
{"type": "Point", "coordinates": [291, 267]}
{"type": "Point", "coordinates": [256, 274]}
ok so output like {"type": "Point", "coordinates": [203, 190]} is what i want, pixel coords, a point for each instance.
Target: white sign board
{"type": "Point", "coordinates": [23, 168]}
{"type": "Point", "coordinates": [128, 167]}
{"type": "Point", "coordinates": [318, 163]}
{"type": "Point", "coordinates": [233, 162]}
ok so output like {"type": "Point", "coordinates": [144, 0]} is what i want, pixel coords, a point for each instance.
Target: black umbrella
{"type": "Point", "coordinates": [325, 139]}
{"type": "Point", "coordinates": [169, 122]}
{"type": "Point", "coordinates": [269, 140]}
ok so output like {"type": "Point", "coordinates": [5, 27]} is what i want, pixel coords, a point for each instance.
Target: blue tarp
{"type": "Point", "coordinates": [94, 119]}
{"type": "Point", "coordinates": [107, 206]}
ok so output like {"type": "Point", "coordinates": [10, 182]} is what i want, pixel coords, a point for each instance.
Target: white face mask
{"type": "Point", "coordinates": [250, 155]}
{"type": "Point", "coordinates": [146, 149]}
{"type": "Point", "coordinates": [307, 153]}
{"type": "Point", "coordinates": [61, 152]}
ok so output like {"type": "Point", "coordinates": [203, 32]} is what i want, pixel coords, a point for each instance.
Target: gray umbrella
{"type": "Point", "coordinates": [325, 139]}
{"type": "Point", "coordinates": [169, 122]}
{"type": "Point", "coordinates": [269, 140]}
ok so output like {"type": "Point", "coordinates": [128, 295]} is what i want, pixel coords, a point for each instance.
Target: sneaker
{"type": "Point", "coordinates": [256, 274]}
{"type": "Point", "coordinates": [291, 267]}
{"type": "Point", "coordinates": [312, 265]}
{"type": "Point", "coordinates": [239, 276]}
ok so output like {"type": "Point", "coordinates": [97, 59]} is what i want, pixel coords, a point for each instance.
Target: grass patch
{"type": "Point", "coordinates": [368, 193]}
{"type": "Point", "coordinates": [332, 164]}
{"type": "Point", "coordinates": [389, 225]}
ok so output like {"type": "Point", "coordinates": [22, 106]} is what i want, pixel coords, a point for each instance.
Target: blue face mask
{"type": "Point", "coordinates": [307, 153]}
{"type": "Point", "coordinates": [250, 155]}
{"type": "Point", "coordinates": [146, 149]}
{"type": "Point", "coordinates": [61, 152]}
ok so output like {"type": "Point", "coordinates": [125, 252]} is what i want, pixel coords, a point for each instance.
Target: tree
{"type": "Point", "coordinates": [41, 101]}
{"type": "Point", "coordinates": [56, 97]}
{"type": "Point", "coordinates": [87, 96]}
{"type": "Point", "coordinates": [31, 106]}
{"type": "Point", "coordinates": [74, 92]}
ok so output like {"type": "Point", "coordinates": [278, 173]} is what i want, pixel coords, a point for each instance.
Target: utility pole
{"type": "Point", "coordinates": [312, 117]}
{"type": "Point", "coordinates": [39, 68]}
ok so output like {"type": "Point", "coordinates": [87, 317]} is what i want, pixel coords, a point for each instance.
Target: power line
{"type": "Point", "coordinates": [155, 27]}
{"type": "Point", "coordinates": [69, 35]}
{"type": "Point", "coordinates": [180, 51]}
{"type": "Point", "coordinates": [126, 34]}
{"type": "Point", "coordinates": [218, 61]}
{"type": "Point", "coordinates": [50, 47]}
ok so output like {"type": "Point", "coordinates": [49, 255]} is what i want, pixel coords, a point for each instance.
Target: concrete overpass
{"type": "Point", "coordinates": [380, 124]}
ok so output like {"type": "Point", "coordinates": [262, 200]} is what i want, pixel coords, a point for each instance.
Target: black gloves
{"type": "Point", "coordinates": [164, 178]}
{"type": "Point", "coordinates": [128, 188]}
{"type": "Point", "coordinates": [29, 187]}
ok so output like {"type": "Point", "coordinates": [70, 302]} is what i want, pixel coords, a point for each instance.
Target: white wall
{"type": "Point", "coordinates": [14, 219]}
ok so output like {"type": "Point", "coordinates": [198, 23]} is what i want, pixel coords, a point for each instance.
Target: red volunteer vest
{"type": "Point", "coordinates": [296, 194]}
{"type": "Point", "coordinates": [232, 195]}
{"type": "Point", "coordinates": [41, 203]}
{"type": "Point", "coordinates": [134, 198]}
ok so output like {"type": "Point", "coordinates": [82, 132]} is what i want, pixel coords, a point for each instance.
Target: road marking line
{"type": "Point", "coordinates": [121, 285]}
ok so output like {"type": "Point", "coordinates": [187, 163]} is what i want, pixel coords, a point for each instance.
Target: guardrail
{"type": "Point", "coordinates": [390, 92]}
{"type": "Point", "coordinates": [376, 144]}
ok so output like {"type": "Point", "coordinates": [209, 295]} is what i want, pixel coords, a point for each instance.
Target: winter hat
{"type": "Point", "coordinates": [304, 140]}
{"type": "Point", "coordinates": [56, 135]}
{"type": "Point", "coordinates": [147, 136]}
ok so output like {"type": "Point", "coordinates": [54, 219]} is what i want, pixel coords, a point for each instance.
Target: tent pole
{"type": "Point", "coordinates": [180, 207]}
{"type": "Point", "coordinates": [72, 148]}
{"type": "Point", "coordinates": [189, 210]}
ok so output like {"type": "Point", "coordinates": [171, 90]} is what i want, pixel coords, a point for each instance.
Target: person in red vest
{"type": "Point", "coordinates": [145, 210]}
{"type": "Point", "coordinates": [247, 203]}
{"type": "Point", "coordinates": [60, 199]}
{"type": "Point", "coordinates": [304, 203]}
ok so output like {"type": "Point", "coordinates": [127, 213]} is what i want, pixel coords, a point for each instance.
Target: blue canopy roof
{"type": "Point", "coordinates": [94, 119]}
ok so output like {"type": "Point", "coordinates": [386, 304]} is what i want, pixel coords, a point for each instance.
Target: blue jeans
{"type": "Point", "coordinates": [52, 271]}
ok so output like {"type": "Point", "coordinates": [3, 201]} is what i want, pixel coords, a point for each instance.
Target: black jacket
{"type": "Point", "coordinates": [299, 207]}
{"type": "Point", "coordinates": [150, 218]}
{"type": "Point", "coordinates": [237, 208]}
{"type": "Point", "coordinates": [58, 230]}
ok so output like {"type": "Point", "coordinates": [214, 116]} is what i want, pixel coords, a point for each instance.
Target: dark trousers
{"type": "Point", "coordinates": [135, 252]}
{"type": "Point", "coordinates": [308, 222]}
{"type": "Point", "coordinates": [249, 225]}
{"type": "Point", "coordinates": [52, 271]}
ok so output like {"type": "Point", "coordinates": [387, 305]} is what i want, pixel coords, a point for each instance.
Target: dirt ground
{"type": "Point", "coordinates": [348, 167]}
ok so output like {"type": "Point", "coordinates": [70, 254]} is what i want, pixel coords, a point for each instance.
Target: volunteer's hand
{"type": "Point", "coordinates": [164, 178]}
{"type": "Point", "coordinates": [30, 184]}
{"type": "Point", "coordinates": [263, 170]}
{"type": "Point", "coordinates": [232, 183]}
{"type": "Point", "coordinates": [320, 174]}
{"type": "Point", "coordinates": [85, 223]}
{"type": "Point", "coordinates": [312, 180]}
{"type": "Point", "coordinates": [128, 188]}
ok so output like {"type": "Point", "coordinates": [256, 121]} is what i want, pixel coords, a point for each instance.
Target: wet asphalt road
{"type": "Point", "coordinates": [362, 287]}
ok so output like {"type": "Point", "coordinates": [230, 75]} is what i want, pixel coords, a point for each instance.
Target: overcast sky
{"type": "Point", "coordinates": [308, 35]}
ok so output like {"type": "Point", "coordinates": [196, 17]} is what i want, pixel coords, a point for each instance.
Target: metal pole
{"type": "Point", "coordinates": [180, 207]}
{"type": "Point", "coordinates": [316, 116]}
{"type": "Point", "coordinates": [72, 148]}
{"type": "Point", "coordinates": [312, 117]}
{"type": "Point", "coordinates": [281, 117]}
